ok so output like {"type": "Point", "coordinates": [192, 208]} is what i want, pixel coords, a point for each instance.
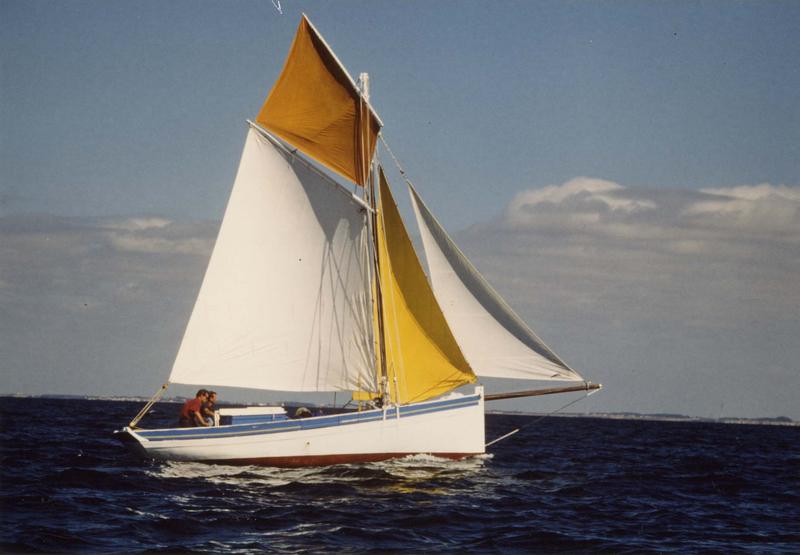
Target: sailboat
{"type": "Point", "coordinates": [314, 285]}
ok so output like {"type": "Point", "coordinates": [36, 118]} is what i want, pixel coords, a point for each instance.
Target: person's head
{"type": "Point", "coordinates": [212, 396]}
{"type": "Point", "coordinates": [202, 393]}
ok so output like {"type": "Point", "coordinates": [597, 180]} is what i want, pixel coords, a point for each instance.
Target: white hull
{"type": "Point", "coordinates": [452, 428]}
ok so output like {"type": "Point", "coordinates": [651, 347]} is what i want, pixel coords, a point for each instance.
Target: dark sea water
{"type": "Point", "coordinates": [560, 485]}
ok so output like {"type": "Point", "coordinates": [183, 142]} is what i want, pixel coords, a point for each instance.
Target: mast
{"type": "Point", "coordinates": [382, 371]}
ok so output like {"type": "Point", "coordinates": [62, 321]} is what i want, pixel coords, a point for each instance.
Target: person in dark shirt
{"type": "Point", "coordinates": [190, 413]}
{"type": "Point", "coordinates": [208, 408]}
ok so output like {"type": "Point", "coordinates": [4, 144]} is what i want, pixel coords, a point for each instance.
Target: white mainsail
{"type": "Point", "coordinates": [496, 342]}
{"type": "Point", "coordinates": [284, 304]}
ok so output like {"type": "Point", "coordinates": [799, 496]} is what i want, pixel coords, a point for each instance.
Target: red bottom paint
{"type": "Point", "coordinates": [324, 460]}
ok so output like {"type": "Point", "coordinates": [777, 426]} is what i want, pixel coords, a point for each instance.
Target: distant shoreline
{"type": "Point", "coordinates": [764, 421]}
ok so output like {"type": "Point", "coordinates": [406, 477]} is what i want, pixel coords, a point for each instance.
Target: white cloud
{"type": "Point", "coordinates": [153, 235]}
{"type": "Point", "coordinates": [137, 224]}
{"type": "Point", "coordinates": [760, 209]}
{"type": "Point", "coordinates": [757, 192]}
{"type": "Point", "coordinates": [66, 259]}
{"type": "Point", "coordinates": [582, 201]}
{"type": "Point", "coordinates": [95, 304]}
{"type": "Point", "coordinates": [160, 245]}
{"type": "Point", "coordinates": [559, 193]}
{"type": "Point", "coordinates": [656, 292]}
{"type": "Point", "coordinates": [685, 220]}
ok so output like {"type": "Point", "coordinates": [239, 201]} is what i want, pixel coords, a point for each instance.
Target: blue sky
{"type": "Point", "coordinates": [107, 102]}
{"type": "Point", "coordinates": [664, 137]}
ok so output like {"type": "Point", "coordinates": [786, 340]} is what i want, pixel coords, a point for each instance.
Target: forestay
{"type": "Point", "coordinates": [284, 303]}
{"type": "Point", "coordinates": [494, 340]}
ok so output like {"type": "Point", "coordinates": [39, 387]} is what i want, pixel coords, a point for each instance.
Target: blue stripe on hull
{"type": "Point", "coordinates": [307, 423]}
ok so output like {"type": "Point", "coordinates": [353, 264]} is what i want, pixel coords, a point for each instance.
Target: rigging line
{"type": "Point", "coordinates": [398, 344]}
{"type": "Point", "coordinates": [396, 161]}
{"type": "Point", "coordinates": [509, 434]}
{"type": "Point", "coordinates": [383, 370]}
{"type": "Point", "coordinates": [365, 322]}
{"type": "Point", "coordinates": [480, 277]}
{"type": "Point", "coordinates": [559, 409]}
{"type": "Point", "coordinates": [395, 319]}
{"type": "Point", "coordinates": [344, 70]}
{"type": "Point", "coordinates": [148, 405]}
{"type": "Point", "coordinates": [382, 374]}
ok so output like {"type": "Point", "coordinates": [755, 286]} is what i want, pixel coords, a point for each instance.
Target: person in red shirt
{"type": "Point", "coordinates": [207, 411]}
{"type": "Point", "coordinates": [190, 413]}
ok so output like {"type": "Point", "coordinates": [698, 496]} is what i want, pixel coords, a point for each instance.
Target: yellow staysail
{"type": "Point", "coordinates": [316, 107]}
{"type": "Point", "coordinates": [423, 359]}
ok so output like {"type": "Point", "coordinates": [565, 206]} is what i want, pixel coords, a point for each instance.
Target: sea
{"type": "Point", "coordinates": [560, 485]}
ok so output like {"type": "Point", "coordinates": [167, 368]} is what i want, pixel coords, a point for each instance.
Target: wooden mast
{"type": "Point", "coordinates": [382, 373]}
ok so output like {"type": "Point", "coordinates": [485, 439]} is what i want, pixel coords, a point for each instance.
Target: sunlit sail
{"type": "Point", "coordinates": [314, 285]}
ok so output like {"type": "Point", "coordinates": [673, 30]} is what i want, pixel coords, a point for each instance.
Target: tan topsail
{"type": "Point", "coordinates": [316, 106]}
{"type": "Point", "coordinates": [423, 359]}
